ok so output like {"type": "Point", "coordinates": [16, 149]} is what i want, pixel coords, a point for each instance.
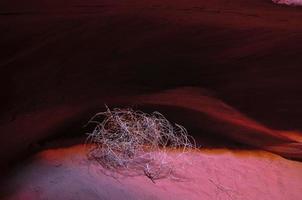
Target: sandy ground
{"type": "Point", "coordinates": [65, 173]}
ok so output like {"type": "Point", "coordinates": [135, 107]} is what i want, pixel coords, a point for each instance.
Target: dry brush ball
{"type": "Point", "coordinates": [129, 139]}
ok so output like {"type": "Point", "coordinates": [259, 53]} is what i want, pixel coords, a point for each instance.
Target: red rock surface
{"type": "Point", "coordinates": [230, 71]}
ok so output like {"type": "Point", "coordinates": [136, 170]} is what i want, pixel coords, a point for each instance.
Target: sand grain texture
{"type": "Point", "coordinates": [66, 173]}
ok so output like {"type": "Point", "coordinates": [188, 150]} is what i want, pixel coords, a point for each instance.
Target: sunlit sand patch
{"type": "Point", "coordinates": [66, 173]}
{"type": "Point", "coordinates": [289, 2]}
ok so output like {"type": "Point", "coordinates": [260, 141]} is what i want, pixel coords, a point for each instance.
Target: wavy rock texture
{"type": "Point", "coordinates": [229, 71]}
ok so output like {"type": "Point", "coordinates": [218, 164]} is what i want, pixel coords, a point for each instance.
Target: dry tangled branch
{"type": "Point", "coordinates": [134, 140]}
